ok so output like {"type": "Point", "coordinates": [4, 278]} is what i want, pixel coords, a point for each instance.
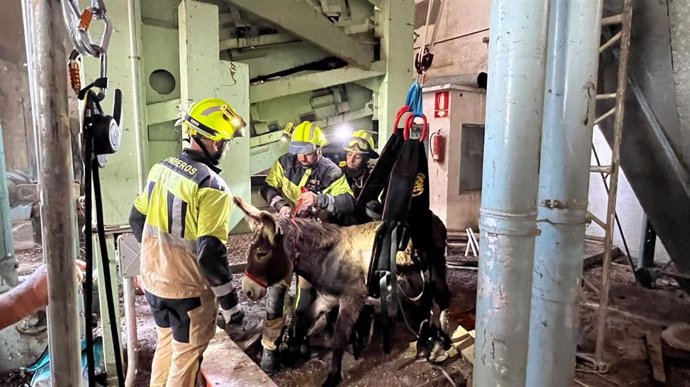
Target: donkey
{"type": "Point", "coordinates": [335, 260]}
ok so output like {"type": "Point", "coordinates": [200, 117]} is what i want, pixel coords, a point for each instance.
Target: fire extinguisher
{"type": "Point", "coordinates": [437, 143]}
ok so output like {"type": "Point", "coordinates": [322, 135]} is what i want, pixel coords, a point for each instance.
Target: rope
{"type": "Point", "coordinates": [421, 293]}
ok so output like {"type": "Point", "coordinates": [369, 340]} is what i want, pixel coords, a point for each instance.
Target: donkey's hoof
{"type": "Point", "coordinates": [333, 380]}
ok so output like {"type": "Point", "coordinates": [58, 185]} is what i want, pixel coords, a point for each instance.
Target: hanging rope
{"type": "Point", "coordinates": [425, 56]}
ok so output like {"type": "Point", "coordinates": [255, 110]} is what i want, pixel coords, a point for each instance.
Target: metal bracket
{"type": "Point", "coordinates": [128, 254]}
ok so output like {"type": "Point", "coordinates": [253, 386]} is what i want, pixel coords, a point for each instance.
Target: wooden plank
{"type": "Point", "coordinates": [225, 364]}
{"type": "Point", "coordinates": [653, 339]}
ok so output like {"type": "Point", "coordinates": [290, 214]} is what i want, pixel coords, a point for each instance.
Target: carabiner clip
{"type": "Point", "coordinates": [408, 126]}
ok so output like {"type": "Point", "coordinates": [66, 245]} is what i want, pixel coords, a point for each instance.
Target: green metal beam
{"type": "Point", "coordinates": [304, 21]}
{"type": "Point", "coordinates": [307, 82]}
{"type": "Point", "coordinates": [257, 41]}
{"type": "Point", "coordinates": [203, 75]}
{"type": "Point", "coordinates": [157, 113]}
{"type": "Point", "coordinates": [397, 26]}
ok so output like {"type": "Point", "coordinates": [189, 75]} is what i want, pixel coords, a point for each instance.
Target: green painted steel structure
{"type": "Point", "coordinates": [276, 68]}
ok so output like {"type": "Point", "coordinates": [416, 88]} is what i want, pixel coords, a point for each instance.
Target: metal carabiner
{"type": "Point", "coordinates": [78, 23]}
{"type": "Point", "coordinates": [408, 126]}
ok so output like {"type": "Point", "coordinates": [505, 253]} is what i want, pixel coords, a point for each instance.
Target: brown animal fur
{"type": "Point", "coordinates": [334, 259]}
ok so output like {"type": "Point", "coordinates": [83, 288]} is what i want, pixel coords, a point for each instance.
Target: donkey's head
{"type": "Point", "coordinates": [267, 262]}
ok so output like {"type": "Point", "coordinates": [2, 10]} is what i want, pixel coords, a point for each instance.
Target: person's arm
{"type": "Point", "coordinates": [137, 216]}
{"type": "Point", "coordinates": [28, 297]}
{"type": "Point", "coordinates": [25, 298]}
{"type": "Point", "coordinates": [272, 192]}
{"type": "Point", "coordinates": [212, 255]}
{"type": "Point", "coordinates": [337, 198]}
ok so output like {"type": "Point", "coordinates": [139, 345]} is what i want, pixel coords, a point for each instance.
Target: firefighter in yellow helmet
{"type": "Point", "coordinates": [325, 187]}
{"type": "Point", "coordinates": [360, 149]}
{"type": "Point", "coordinates": [325, 190]}
{"type": "Point", "coordinates": [182, 221]}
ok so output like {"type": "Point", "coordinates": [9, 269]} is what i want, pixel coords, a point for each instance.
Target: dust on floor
{"type": "Point", "coordinates": [636, 311]}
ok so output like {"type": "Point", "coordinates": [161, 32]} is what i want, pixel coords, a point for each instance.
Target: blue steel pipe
{"type": "Point", "coordinates": [509, 190]}
{"type": "Point", "coordinates": [571, 78]}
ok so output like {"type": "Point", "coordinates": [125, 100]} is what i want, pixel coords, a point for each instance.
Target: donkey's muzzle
{"type": "Point", "coordinates": [251, 289]}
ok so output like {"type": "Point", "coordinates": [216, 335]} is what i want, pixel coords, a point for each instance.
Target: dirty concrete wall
{"type": "Point", "coordinates": [15, 103]}
{"type": "Point", "coordinates": [462, 48]}
{"type": "Point", "coordinates": [462, 37]}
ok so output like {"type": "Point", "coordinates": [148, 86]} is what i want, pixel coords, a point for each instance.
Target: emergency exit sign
{"type": "Point", "coordinates": [441, 104]}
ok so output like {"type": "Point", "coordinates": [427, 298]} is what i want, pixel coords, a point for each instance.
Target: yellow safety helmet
{"type": "Point", "coordinates": [213, 118]}
{"type": "Point", "coordinates": [306, 138]}
{"type": "Point", "coordinates": [362, 142]}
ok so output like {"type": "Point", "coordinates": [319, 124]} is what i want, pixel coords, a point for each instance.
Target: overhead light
{"type": "Point", "coordinates": [343, 132]}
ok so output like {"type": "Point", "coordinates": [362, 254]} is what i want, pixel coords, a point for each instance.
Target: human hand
{"type": "Point", "coordinates": [38, 285]}
{"type": "Point", "coordinates": [285, 211]}
{"type": "Point", "coordinates": [81, 268]}
{"type": "Point", "coordinates": [308, 199]}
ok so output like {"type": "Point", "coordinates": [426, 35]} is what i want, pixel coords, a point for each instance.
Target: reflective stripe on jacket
{"type": "Point", "coordinates": [185, 211]}
{"type": "Point", "coordinates": [288, 176]}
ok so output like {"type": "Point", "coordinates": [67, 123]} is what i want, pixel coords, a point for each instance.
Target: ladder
{"type": "Point", "coordinates": [622, 38]}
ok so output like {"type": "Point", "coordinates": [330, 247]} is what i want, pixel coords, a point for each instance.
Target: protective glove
{"type": "Point", "coordinates": [285, 211]}
{"type": "Point", "coordinates": [233, 316]}
{"type": "Point", "coordinates": [230, 308]}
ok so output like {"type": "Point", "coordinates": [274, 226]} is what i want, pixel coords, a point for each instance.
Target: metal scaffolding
{"type": "Point", "coordinates": [622, 37]}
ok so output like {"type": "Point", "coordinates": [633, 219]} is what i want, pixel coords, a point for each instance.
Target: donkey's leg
{"type": "Point", "coordinates": [437, 264]}
{"type": "Point", "coordinates": [350, 306]}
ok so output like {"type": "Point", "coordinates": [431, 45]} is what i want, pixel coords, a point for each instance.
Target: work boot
{"type": "Point", "coordinates": [269, 361]}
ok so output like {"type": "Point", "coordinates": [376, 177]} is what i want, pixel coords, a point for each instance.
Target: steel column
{"type": "Point", "coordinates": [648, 245]}
{"type": "Point", "coordinates": [57, 204]}
{"type": "Point", "coordinates": [8, 271]}
{"type": "Point", "coordinates": [509, 190]}
{"type": "Point", "coordinates": [569, 99]}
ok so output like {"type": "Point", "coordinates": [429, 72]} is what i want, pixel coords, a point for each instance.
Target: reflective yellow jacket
{"type": "Point", "coordinates": [182, 220]}
{"type": "Point", "coordinates": [324, 178]}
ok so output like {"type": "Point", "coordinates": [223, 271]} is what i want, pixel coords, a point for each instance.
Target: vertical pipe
{"type": "Point", "coordinates": [138, 102]}
{"type": "Point", "coordinates": [571, 76]}
{"type": "Point", "coordinates": [138, 96]}
{"type": "Point", "coordinates": [134, 20]}
{"type": "Point", "coordinates": [509, 190]}
{"type": "Point", "coordinates": [51, 127]}
{"type": "Point", "coordinates": [8, 270]}
{"type": "Point", "coordinates": [28, 37]}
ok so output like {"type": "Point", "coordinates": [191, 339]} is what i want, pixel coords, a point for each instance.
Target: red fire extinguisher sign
{"type": "Point", "coordinates": [441, 104]}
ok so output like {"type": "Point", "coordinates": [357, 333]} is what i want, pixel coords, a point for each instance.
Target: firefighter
{"type": "Point", "coordinates": [357, 168]}
{"type": "Point", "coordinates": [182, 221]}
{"type": "Point", "coordinates": [317, 183]}
{"type": "Point", "coordinates": [304, 175]}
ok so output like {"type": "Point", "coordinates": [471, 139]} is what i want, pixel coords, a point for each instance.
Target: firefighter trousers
{"type": "Point", "coordinates": [184, 328]}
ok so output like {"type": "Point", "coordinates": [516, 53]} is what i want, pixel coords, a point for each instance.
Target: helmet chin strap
{"type": "Point", "coordinates": [212, 159]}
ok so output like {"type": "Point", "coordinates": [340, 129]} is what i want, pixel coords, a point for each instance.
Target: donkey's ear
{"type": "Point", "coordinates": [269, 226]}
{"type": "Point", "coordinates": [251, 214]}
